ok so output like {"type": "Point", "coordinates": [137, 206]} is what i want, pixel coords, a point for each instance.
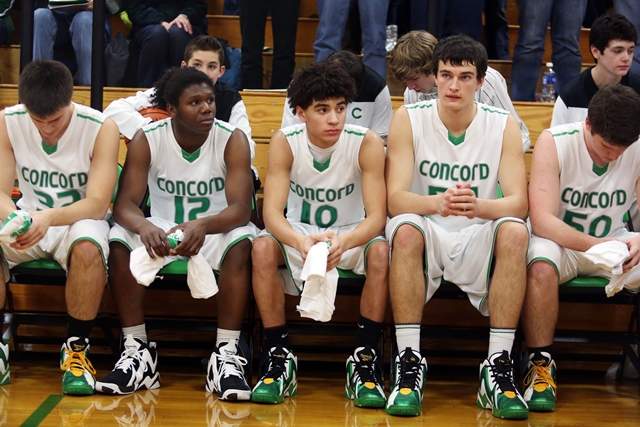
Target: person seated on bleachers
{"type": "Point", "coordinates": [445, 158]}
{"type": "Point", "coordinates": [204, 53]}
{"type": "Point", "coordinates": [210, 161]}
{"type": "Point", "coordinates": [584, 177]}
{"type": "Point", "coordinates": [162, 29]}
{"type": "Point", "coordinates": [70, 30]}
{"type": "Point", "coordinates": [372, 106]}
{"type": "Point", "coordinates": [327, 174]}
{"type": "Point", "coordinates": [410, 62]}
{"type": "Point", "coordinates": [66, 159]}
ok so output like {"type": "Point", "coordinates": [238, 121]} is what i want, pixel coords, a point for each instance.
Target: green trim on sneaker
{"type": "Point", "coordinates": [497, 390]}
{"type": "Point", "coordinates": [78, 377]}
{"type": "Point", "coordinates": [540, 383]}
{"type": "Point", "coordinates": [362, 384]}
{"type": "Point", "coordinates": [281, 378]}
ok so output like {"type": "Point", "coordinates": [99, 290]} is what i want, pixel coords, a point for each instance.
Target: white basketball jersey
{"type": "Point", "coordinates": [330, 193]}
{"type": "Point", "coordinates": [56, 176]}
{"type": "Point", "coordinates": [442, 160]}
{"type": "Point", "coordinates": [592, 199]}
{"type": "Point", "coordinates": [182, 186]}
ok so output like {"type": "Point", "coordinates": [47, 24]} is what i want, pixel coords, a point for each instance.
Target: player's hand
{"type": "Point", "coordinates": [307, 242]}
{"type": "Point", "coordinates": [335, 250]}
{"type": "Point", "coordinates": [39, 227]}
{"type": "Point", "coordinates": [154, 240]}
{"type": "Point", "coordinates": [633, 244]}
{"type": "Point", "coordinates": [182, 21]}
{"type": "Point", "coordinates": [462, 201]}
{"type": "Point", "coordinates": [194, 234]}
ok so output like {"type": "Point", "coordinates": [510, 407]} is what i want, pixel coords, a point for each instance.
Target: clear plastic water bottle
{"type": "Point", "coordinates": [549, 84]}
{"type": "Point", "coordinates": [392, 37]}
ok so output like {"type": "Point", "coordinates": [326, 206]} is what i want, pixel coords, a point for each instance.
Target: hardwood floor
{"type": "Point", "coordinates": [34, 399]}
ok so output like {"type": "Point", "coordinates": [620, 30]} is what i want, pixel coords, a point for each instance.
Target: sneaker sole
{"type": "Point", "coordinates": [404, 411]}
{"type": "Point", "coordinates": [266, 398]}
{"type": "Point", "coordinates": [234, 395]}
{"type": "Point", "coordinates": [78, 391]}
{"type": "Point", "coordinates": [369, 403]}
{"type": "Point", "coordinates": [541, 406]}
{"type": "Point", "coordinates": [114, 389]}
{"type": "Point", "coordinates": [520, 414]}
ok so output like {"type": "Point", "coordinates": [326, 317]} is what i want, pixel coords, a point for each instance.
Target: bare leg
{"type": "Point", "coordinates": [85, 281]}
{"type": "Point", "coordinates": [406, 275]}
{"type": "Point", "coordinates": [234, 283]}
{"type": "Point", "coordinates": [508, 284]}
{"type": "Point", "coordinates": [375, 294]}
{"type": "Point", "coordinates": [540, 309]}
{"type": "Point", "coordinates": [267, 288]}
{"type": "Point", "coordinates": [127, 292]}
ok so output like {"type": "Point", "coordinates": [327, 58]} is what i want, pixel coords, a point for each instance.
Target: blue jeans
{"type": "Point", "coordinates": [631, 9]}
{"type": "Point", "coordinates": [55, 28]}
{"type": "Point", "coordinates": [160, 50]}
{"type": "Point", "coordinates": [566, 18]}
{"type": "Point", "coordinates": [333, 19]}
{"type": "Point", "coordinates": [497, 29]}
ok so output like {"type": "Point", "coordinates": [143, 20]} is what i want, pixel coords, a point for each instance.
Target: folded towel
{"type": "Point", "coordinates": [610, 256]}
{"type": "Point", "coordinates": [319, 291]}
{"type": "Point", "coordinates": [17, 223]}
{"type": "Point", "coordinates": [200, 278]}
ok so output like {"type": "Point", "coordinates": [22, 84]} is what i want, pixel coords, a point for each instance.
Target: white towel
{"type": "Point", "coordinates": [200, 277]}
{"type": "Point", "coordinates": [319, 292]}
{"type": "Point", "coordinates": [610, 256]}
{"type": "Point", "coordinates": [17, 223]}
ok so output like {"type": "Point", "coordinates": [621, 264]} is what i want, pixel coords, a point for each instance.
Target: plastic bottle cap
{"type": "Point", "coordinates": [549, 64]}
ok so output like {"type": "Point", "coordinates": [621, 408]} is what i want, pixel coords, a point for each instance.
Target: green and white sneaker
{"type": "Point", "coordinates": [540, 382]}
{"type": "Point", "coordinates": [78, 377]}
{"type": "Point", "coordinates": [5, 373]}
{"type": "Point", "coordinates": [281, 378]}
{"type": "Point", "coordinates": [362, 384]}
{"type": "Point", "coordinates": [497, 390]}
{"type": "Point", "coordinates": [408, 377]}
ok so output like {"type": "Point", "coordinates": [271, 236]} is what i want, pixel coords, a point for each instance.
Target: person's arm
{"type": "Point", "coordinates": [399, 171]}
{"type": "Point", "coordinates": [497, 94]}
{"type": "Point", "coordinates": [544, 199]}
{"type": "Point", "coordinates": [276, 193]}
{"type": "Point", "coordinates": [125, 113]}
{"type": "Point", "coordinates": [633, 243]}
{"type": "Point", "coordinates": [240, 119]}
{"type": "Point", "coordinates": [382, 112]}
{"type": "Point", "coordinates": [371, 160]}
{"type": "Point", "coordinates": [288, 118]}
{"type": "Point", "coordinates": [238, 188]}
{"type": "Point", "coordinates": [560, 113]}
{"type": "Point", "coordinates": [101, 182]}
{"type": "Point", "coordinates": [7, 171]}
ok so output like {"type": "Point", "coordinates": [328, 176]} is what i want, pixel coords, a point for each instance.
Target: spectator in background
{"type": "Point", "coordinates": [68, 30]}
{"type": "Point", "coordinates": [333, 20]}
{"type": "Point", "coordinates": [6, 23]}
{"type": "Point", "coordinates": [162, 29]}
{"type": "Point", "coordinates": [496, 29]}
{"type": "Point", "coordinates": [253, 19]}
{"type": "Point", "coordinates": [565, 17]}
{"type": "Point", "coordinates": [630, 9]}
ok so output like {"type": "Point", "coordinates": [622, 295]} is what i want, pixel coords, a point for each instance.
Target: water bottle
{"type": "Point", "coordinates": [549, 84]}
{"type": "Point", "coordinates": [392, 37]}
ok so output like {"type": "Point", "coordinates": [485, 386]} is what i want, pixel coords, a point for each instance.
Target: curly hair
{"type": "Point", "coordinates": [173, 83]}
{"type": "Point", "coordinates": [319, 81]}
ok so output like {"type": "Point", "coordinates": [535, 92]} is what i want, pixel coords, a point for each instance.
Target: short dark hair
{"type": "Point", "coordinates": [352, 64]}
{"type": "Point", "coordinates": [45, 87]}
{"type": "Point", "coordinates": [613, 114]}
{"type": "Point", "coordinates": [611, 27]}
{"type": "Point", "coordinates": [173, 83]}
{"type": "Point", "coordinates": [204, 43]}
{"type": "Point", "coordinates": [322, 80]}
{"type": "Point", "coordinates": [460, 50]}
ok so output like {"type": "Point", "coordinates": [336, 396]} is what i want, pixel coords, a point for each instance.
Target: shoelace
{"type": "Point", "coordinates": [502, 374]}
{"type": "Point", "coordinates": [127, 360]}
{"type": "Point", "coordinates": [541, 375]}
{"type": "Point", "coordinates": [276, 367]}
{"type": "Point", "coordinates": [77, 363]}
{"type": "Point", "coordinates": [366, 371]}
{"type": "Point", "coordinates": [409, 371]}
{"type": "Point", "coordinates": [232, 365]}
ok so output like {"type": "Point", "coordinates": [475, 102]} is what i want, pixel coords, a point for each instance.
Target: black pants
{"type": "Point", "coordinates": [253, 18]}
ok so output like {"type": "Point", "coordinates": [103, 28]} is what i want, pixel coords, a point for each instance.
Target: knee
{"type": "Point", "coordinates": [378, 258]}
{"type": "Point", "coordinates": [85, 253]}
{"type": "Point", "coordinates": [240, 253]}
{"type": "Point", "coordinates": [82, 21]}
{"type": "Point", "coordinates": [152, 37]}
{"type": "Point", "coordinates": [408, 239]}
{"type": "Point", "coordinates": [264, 254]}
{"type": "Point", "coordinates": [542, 276]}
{"type": "Point", "coordinates": [512, 238]}
{"type": "Point", "coordinates": [41, 17]}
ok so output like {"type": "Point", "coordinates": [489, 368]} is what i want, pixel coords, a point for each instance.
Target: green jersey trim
{"type": "Point", "coordinates": [456, 140]}
{"type": "Point", "coordinates": [416, 106]}
{"type": "Point", "coordinates": [223, 127]}
{"type": "Point", "coordinates": [573, 132]}
{"type": "Point", "coordinates": [191, 157]}
{"type": "Point", "coordinates": [161, 125]}
{"type": "Point", "coordinates": [49, 149]}
{"type": "Point", "coordinates": [321, 166]}
{"type": "Point", "coordinates": [17, 113]}
{"type": "Point", "coordinates": [491, 110]}
{"type": "Point", "coordinates": [297, 132]}
{"type": "Point", "coordinates": [353, 132]}
{"type": "Point", "coordinates": [600, 170]}
{"type": "Point", "coordinates": [93, 119]}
